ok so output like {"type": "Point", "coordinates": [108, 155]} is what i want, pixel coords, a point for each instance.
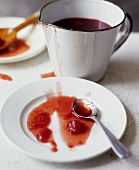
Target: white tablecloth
{"type": "Point", "coordinates": [122, 78]}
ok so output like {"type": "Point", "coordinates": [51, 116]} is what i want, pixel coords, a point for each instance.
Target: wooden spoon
{"type": "Point", "coordinates": [8, 35]}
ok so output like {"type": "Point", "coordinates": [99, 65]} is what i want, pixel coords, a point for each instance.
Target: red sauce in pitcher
{"type": "Point", "coordinates": [82, 24]}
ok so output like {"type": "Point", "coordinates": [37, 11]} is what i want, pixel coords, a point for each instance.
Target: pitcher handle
{"type": "Point", "coordinates": [125, 32]}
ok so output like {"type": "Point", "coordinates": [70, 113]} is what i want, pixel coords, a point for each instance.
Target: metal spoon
{"type": "Point", "coordinates": [8, 35]}
{"type": "Point", "coordinates": [86, 109]}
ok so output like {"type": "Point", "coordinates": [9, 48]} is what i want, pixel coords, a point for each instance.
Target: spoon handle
{"type": "Point", "coordinates": [31, 19]}
{"type": "Point", "coordinates": [120, 150]}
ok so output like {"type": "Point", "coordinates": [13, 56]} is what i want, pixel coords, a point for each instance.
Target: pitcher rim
{"type": "Point", "coordinates": [105, 29]}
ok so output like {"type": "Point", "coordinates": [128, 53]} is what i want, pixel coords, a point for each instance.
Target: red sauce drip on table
{"type": "Point", "coordinates": [74, 131]}
{"type": "Point", "coordinates": [17, 47]}
{"type": "Point", "coordinates": [46, 75]}
{"type": "Point", "coordinates": [5, 77]}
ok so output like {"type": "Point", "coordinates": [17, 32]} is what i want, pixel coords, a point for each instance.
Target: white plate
{"type": "Point", "coordinates": [15, 111]}
{"type": "Point", "coordinates": [34, 38]}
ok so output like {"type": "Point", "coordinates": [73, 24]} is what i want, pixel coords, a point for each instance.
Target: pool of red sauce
{"type": "Point", "coordinates": [74, 131]}
{"type": "Point", "coordinates": [5, 77]}
{"type": "Point", "coordinates": [17, 47]}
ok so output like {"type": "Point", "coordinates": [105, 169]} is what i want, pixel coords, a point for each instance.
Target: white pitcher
{"type": "Point", "coordinates": [84, 54]}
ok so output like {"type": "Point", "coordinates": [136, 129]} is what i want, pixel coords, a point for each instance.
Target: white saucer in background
{"type": "Point", "coordinates": [33, 35]}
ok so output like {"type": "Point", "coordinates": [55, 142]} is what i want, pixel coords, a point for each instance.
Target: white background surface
{"type": "Point", "coordinates": [122, 78]}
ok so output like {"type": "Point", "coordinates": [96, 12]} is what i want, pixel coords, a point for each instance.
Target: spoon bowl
{"type": "Point", "coordinates": [86, 109]}
{"type": "Point", "coordinates": [7, 36]}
